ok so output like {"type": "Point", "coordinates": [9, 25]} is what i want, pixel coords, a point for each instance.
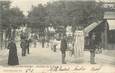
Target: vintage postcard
{"type": "Point", "coordinates": [57, 36]}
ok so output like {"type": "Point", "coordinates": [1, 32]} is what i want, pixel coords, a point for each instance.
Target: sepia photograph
{"type": "Point", "coordinates": [57, 32]}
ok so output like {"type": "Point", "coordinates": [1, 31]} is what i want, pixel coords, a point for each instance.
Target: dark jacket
{"type": "Point", "coordinates": [63, 46]}
{"type": "Point", "coordinates": [27, 43]}
{"type": "Point", "coordinates": [23, 44]}
{"type": "Point", "coordinates": [92, 45]}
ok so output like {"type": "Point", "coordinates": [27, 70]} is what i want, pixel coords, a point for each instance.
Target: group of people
{"type": "Point", "coordinates": [13, 57]}
{"type": "Point", "coordinates": [25, 46]}
{"type": "Point", "coordinates": [92, 48]}
{"type": "Point", "coordinates": [25, 43]}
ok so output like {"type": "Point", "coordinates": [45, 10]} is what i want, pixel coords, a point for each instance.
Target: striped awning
{"type": "Point", "coordinates": [91, 27]}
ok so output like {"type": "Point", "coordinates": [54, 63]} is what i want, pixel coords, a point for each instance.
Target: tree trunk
{"type": "Point", "coordinates": [6, 38]}
{"type": "Point", "coordinates": [42, 43]}
{"type": "Point", "coordinates": [13, 34]}
{"type": "Point", "coordinates": [43, 39]}
{"type": "Point", "coordinates": [1, 39]}
{"type": "Point", "coordinates": [5, 43]}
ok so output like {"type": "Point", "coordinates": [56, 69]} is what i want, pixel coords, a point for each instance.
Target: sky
{"type": "Point", "coordinates": [25, 5]}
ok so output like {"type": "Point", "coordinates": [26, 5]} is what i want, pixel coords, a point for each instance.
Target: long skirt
{"type": "Point", "coordinates": [13, 58]}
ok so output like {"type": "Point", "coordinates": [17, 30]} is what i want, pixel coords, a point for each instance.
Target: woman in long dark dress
{"type": "Point", "coordinates": [13, 58]}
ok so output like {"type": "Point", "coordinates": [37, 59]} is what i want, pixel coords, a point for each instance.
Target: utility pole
{"type": "Point", "coordinates": [0, 27]}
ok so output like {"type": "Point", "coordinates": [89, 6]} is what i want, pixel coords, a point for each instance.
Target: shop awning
{"type": "Point", "coordinates": [91, 27]}
{"type": "Point", "coordinates": [109, 15]}
{"type": "Point", "coordinates": [111, 24]}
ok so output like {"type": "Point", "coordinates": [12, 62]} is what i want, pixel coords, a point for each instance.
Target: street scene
{"type": "Point", "coordinates": [57, 32]}
{"type": "Point", "coordinates": [37, 57]}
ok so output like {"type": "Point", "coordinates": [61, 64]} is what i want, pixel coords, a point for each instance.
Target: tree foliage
{"type": "Point", "coordinates": [16, 17]}
{"type": "Point", "coordinates": [64, 13]}
{"type": "Point", "coordinates": [75, 13]}
{"type": "Point", "coordinates": [10, 16]}
{"type": "Point", "coordinates": [37, 16]}
{"type": "Point", "coordinates": [4, 13]}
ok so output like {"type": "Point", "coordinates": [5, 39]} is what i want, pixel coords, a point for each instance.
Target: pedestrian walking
{"type": "Point", "coordinates": [28, 46]}
{"type": "Point", "coordinates": [63, 48]}
{"type": "Point", "coordinates": [22, 35]}
{"type": "Point", "coordinates": [35, 39]}
{"type": "Point", "coordinates": [12, 58]}
{"type": "Point", "coordinates": [54, 47]}
{"type": "Point", "coordinates": [24, 47]}
{"type": "Point", "coordinates": [92, 48]}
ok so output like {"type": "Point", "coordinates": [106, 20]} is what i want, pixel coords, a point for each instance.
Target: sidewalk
{"type": "Point", "coordinates": [109, 53]}
{"type": "Point", "coordinates": [50, 55]}
{"type": "Point", "coordinates": [100, 59]}
{"type": "Point", "coordinates": [41, 56]}
{"type": "Point", "coordinates": [4, 52]}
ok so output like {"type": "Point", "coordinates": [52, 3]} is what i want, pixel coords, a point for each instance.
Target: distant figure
{"type": "Point", "coordinates": [24, 47]}
{"type": "Point", "coordinates": [54, 45]}
{"type": "Point", "coordinates": [28, 45]}
{"type": "Point", "coordinates": [13, 58]}
{"type": "Point", "coordinates": [47, 43]}
{"type": "Point", "coordinates": [23, 35]}
{"type": "Point", "coordinates": [35, 38]}
{"type": "Point", "coordinates": [92, 48]}
{"type": "Point", "coordinates": [63, 48]}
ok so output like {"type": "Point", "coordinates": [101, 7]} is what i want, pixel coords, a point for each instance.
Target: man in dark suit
{"type": "Point", "coordinates": [63, 48]}
{"type": "Point", "coordinates": [23, 46]}
{"type": "Point", "coordinates": [28, 45]}
{"type": "Point", "coordinates": [92, 48]}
